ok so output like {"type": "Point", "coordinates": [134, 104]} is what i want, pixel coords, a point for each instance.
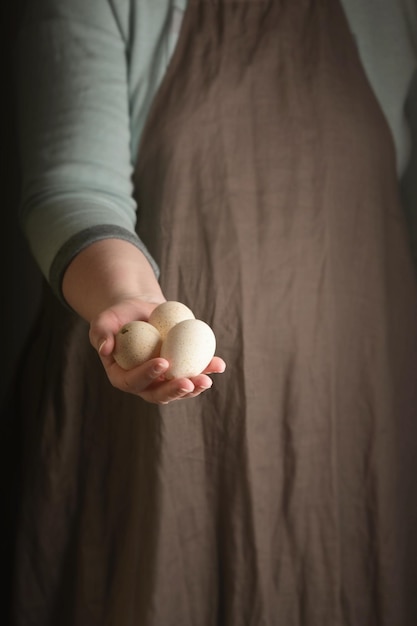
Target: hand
{"type": "Point", "coordinates": [110, 283]}
{"type": "Point", "coordinates": [146, 381]}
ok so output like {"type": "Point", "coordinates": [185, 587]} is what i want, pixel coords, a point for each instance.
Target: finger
{"type": "Point", "coordinates": [168, 391]}
{"type": "Point", "coordinates": [105, 346]}
{"type": "Point", "coordinates": [147, 381]}
{"type": "Point", "coordinates": [108, 323]}
{"type": "Point", "coordinates": [202, 381]}
{"type": "Point", "coordinates": [200, 386]}
{"type": "Point", "coordinates": [137, 379]}
{"type": "Point", "coordinates": [216, 366]}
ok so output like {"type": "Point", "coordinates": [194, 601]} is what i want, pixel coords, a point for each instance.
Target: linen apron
{"type": "Point", "coordinates": [284, 496]}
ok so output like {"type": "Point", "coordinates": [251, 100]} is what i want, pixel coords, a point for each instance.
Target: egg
{"type": "Point", "coordinates": [188, 347]}
{"type": "Point", "coordinates": [168, 314]}
{"type": "Point", "coordinates": [135, 343]}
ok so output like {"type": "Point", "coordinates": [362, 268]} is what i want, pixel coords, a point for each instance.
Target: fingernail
{"type": "Point", "coordinates": [101, 346]}
{"type": "Point", "coordinates": [158, 369]}
{"type": "Point", "coordinates": [201, 388]}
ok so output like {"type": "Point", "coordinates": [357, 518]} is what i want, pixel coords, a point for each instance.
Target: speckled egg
{"type": "Point", "coordinates": [189, 347]}
{"type": "Point", "coordinates": [168, 314]}
{"type": "Point", "coordinates": [135, 343]}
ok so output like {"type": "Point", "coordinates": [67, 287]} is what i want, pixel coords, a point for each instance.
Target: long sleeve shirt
{"type": "Point", "coordinates": [87, 75]}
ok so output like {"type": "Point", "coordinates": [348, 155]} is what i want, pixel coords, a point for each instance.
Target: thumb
{"type": "Point", "coordinates": [105, 327]}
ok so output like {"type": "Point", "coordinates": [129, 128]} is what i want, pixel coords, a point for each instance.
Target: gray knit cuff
{"type": "Point", "coordinates": [82, 240]}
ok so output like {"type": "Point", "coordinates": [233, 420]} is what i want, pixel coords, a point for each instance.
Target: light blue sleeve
{"type": "Point", "coordinates": [386, 36]}
{"type": "Point", "coordinates": [74, 129]}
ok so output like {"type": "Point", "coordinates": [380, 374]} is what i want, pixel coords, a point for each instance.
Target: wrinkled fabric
{"type": "Point", "coordinates": [267, 193]}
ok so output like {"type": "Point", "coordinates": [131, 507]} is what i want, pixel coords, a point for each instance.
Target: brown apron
{"type": "Point", "coordinates": [267, 193]}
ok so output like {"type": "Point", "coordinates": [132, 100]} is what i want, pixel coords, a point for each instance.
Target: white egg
{"type": "Point", "coordinates": [135, 343]}
{"type": "Point", "coordinates": [168, 314]}
{"type": "Point", "coordinates": [189, 348]}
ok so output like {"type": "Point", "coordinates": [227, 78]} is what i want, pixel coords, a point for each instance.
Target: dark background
{"type": "Point", "coordinates": [20, 284]}
{"type": "Point", "coordinates": [20, 278]}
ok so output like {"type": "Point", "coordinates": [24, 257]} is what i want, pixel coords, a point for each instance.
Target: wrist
{"type": "Point", "coordinates": [105, 273]}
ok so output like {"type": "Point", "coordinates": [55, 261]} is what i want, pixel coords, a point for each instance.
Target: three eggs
{"type": "Point", "coordinates": [172, 332]}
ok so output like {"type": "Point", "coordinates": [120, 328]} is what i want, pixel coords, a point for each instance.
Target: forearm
{"type": "Point", "coordinates": [106, 272]}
